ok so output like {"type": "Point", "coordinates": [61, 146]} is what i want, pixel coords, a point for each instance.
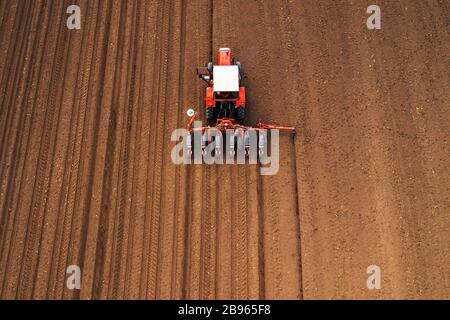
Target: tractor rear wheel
{"type": "Point", "coordinates": [240, 115]}
{"type": "Point", "coordinates": [210, 116]}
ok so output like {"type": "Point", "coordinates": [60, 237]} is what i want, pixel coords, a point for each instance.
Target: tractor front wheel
{"type": "Point", "coordinates": [240, 69]}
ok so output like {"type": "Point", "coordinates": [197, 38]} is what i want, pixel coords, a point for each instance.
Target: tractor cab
{"type": "Point", "coordinates": [225, 97]}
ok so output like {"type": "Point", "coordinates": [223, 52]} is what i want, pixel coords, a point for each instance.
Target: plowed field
{"type": "Point", "coordinates": [86, 176]}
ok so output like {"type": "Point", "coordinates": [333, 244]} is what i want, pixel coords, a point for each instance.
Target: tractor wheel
{"type": "Point", "coordinates": [239, 68]}
{"type": "Point", "coordinates": [240, 115]}
{"type": "Point", "coordinates": [210, 116]}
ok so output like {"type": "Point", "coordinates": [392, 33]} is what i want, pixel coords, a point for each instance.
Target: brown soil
{"type": "Point", "coordinates": [86, 176]}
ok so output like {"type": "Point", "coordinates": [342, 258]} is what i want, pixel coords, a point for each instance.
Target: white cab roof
{"type": "Point", "coordinates": [226, 78]}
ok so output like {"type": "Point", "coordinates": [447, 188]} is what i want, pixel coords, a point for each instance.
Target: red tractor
{"type": "Point", "coordinates": [225, 96]}
{"type": "Point", "coordinates": [225, 105]}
